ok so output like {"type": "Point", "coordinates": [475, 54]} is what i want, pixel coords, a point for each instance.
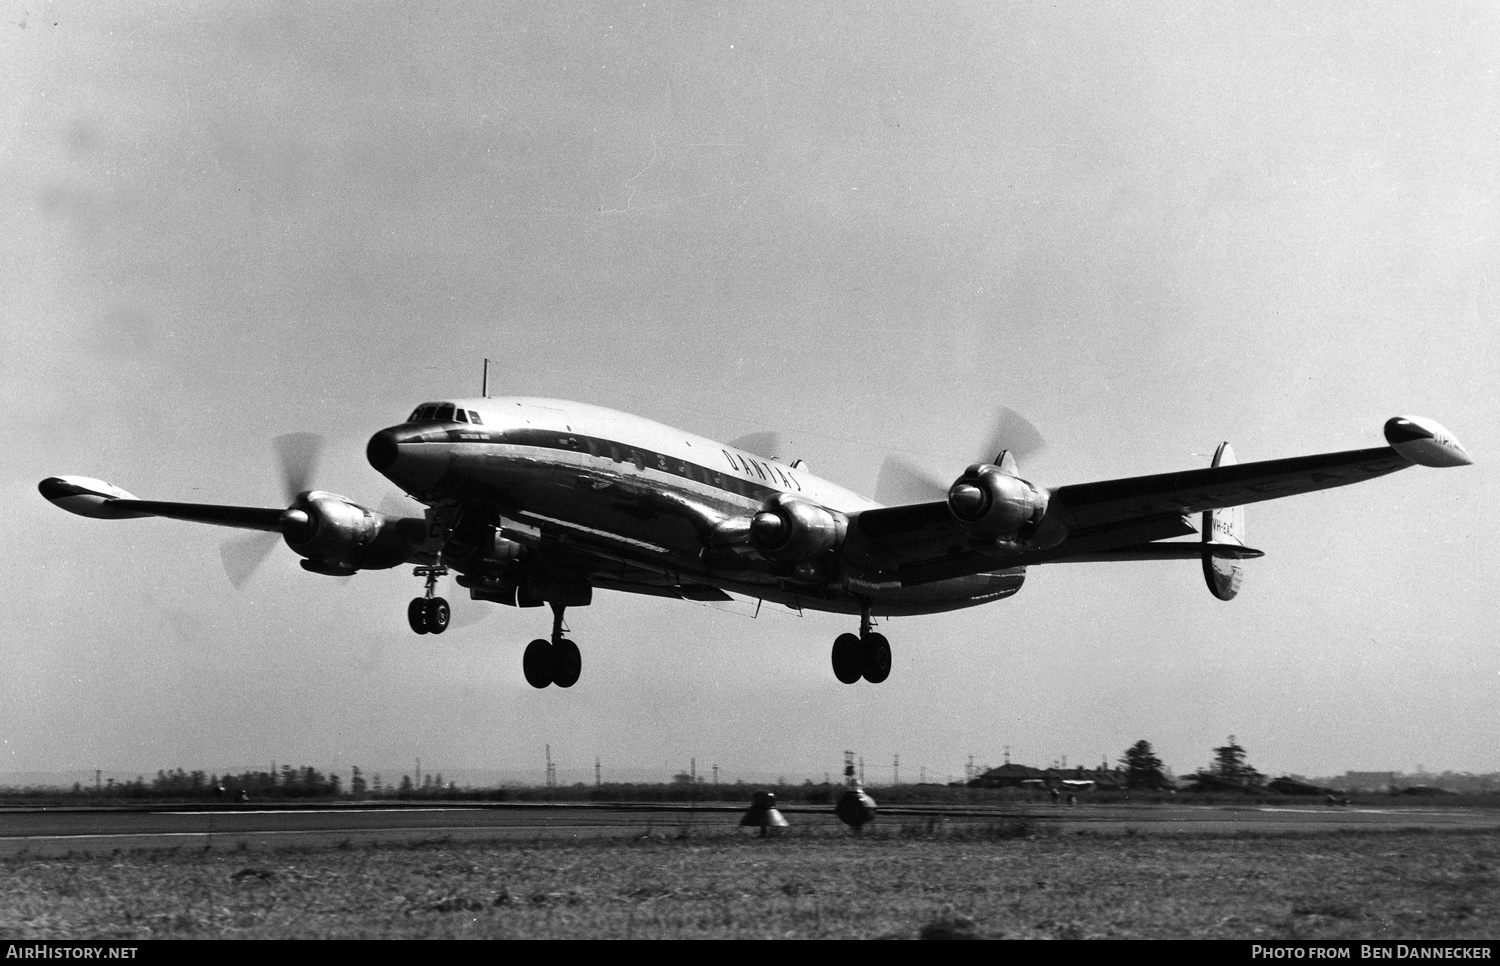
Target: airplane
{"type": "Point", "coordinates": [534, 501]}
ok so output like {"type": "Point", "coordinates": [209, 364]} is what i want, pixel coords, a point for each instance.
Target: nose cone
{"type": "Point", "coordinates": [401, 455]}
{"type": "Point", "coordinates": [383, 449]}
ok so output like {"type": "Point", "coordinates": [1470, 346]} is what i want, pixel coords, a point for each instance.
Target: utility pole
{"type": "Point", "coordinates": [597, 780]}
{"type": "Point", "coordinates": [896, 771]}
{"type": "Point", "coordinates": [551, 770]}
{"type": "Point", "coordinates": [716, 774]}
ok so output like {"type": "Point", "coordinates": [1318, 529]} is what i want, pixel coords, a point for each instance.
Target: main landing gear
{"type": "Point", "coordinates": [867, 656]}
{"type": "Point", "coordinates": [429, 614]}
{"type": "Point", "coordinates": [552, 662]}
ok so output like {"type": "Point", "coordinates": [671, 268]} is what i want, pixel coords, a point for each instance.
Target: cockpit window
{"type": "Point", "coordinates": [444, 412]}
{"type": "Point", "coordinates": [428, 411]}
{"type": "Point", "coordinates": [474, 418]}
{"type": "Point", "coordinates": [458, 414]}
{"type": "Point", "coordinates": [416, 414]}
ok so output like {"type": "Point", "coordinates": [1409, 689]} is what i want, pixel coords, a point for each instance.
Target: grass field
{"type": "Point", "coordinates": [1004, 880]}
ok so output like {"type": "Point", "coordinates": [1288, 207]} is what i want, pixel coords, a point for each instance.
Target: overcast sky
{"type": "Point", "coordinates": [1149, 228]}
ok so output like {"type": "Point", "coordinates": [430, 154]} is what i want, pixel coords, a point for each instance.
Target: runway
{"type": "Point", "coordinates": [60, 831]}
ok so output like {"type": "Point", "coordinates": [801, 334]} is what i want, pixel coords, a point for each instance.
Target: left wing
{"type": "Point", "coordinates": [1122, 519]}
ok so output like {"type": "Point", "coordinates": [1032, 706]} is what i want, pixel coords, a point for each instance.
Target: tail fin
{"type": "Point", "coordinates": [1223, 527]}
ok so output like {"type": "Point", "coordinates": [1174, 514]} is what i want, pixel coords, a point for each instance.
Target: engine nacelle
{"type": "Point", "coordinates": [790, 529]}
{"type": "Point", "coordinates": [987, 501]}
{"type": "Point", "coordinates": [337, 536]}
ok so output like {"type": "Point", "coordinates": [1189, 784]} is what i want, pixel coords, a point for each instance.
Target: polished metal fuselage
{"type": "Point", "coordinates": [633, 493]}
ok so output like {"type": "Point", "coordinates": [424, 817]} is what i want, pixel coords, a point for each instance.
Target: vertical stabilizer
{"type": "Point", "coordinates": [1223, 527]}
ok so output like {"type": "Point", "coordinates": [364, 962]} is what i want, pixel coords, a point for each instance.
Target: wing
{"type": "Point", "coordinates": [1122, 519]}
{"type": "Point", "coordinates": [95, 498]}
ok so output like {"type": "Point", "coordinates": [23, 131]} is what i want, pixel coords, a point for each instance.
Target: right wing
{"type": "Point", "coordinates": [1121, 519]}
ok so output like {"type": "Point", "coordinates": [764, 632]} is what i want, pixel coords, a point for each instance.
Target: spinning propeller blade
{"type": "Point", "coordinates": [902, 481]}
{"type": "Point", "coordinates": [243, 556]}
{"type": "Point", "coordinates": [1013, 432]}
{"type": "Point", "coordinates": [297, 456]}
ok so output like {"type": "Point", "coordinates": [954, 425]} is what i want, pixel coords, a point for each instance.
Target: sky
{"type": "Point", "coordinates": [1148, 228]}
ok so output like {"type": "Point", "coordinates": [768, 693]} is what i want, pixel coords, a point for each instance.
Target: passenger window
{"type": "Point", "coordinates": [444, 412]}
{"type": "Point", "coordinates": [474, 418]}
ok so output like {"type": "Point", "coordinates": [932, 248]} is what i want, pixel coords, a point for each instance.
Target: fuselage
{"type": "Point", "coordinates": [620, 486]}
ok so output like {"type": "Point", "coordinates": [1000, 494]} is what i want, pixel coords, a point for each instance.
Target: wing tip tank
{"type": "Point", "coordinates": [1425, 442]}
{"type": "Point", "coordinates": [82, 495]}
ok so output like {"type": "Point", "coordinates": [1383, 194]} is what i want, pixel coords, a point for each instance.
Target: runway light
{"type": "Point", "coordinates": [763, 813]}
{"type": "Point", "coordinates": [855, 808]}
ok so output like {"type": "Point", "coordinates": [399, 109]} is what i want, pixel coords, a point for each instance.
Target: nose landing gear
{"type": "Point", "coordinates": [867, 656]}
{"type": "Point", "coordinates": [552, 662]}
{"type": "Point", "coordinates": [429, 614]}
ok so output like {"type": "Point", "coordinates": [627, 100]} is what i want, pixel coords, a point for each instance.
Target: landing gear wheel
{"type": "Point", "coordinates": [567, 663]}
{"type": "Point", "coordinates": [438, 614]}
{"type": "Point", "coordinates": [848, 659]}
{"type": "Point", "coordinates": [416, 615]}
{"type": "Point", "coordinates": [536, 663]}
{"type": "Point", "coordinates": [876, 659]}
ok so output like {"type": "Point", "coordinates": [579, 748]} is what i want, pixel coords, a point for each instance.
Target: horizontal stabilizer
{"type": "Point", "coordinates": [1164, 551]}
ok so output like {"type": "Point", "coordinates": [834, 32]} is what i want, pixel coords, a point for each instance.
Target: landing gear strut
{"type": "Point", "coordinates": [552, 662]}
{"type": "Point", "coordinates": [867, 656]}
{"type": "Point", "coordinates": [428, 614]}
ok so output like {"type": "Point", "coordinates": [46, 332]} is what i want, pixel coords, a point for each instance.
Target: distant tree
{"type": "Point", "coordinates": [406, 787]}
{"type": "Point", "coordinates": [1142, 768]}
{"type": "Point", "coordinates": [1230, 770]}
{"type": "Point", "coordinates": [357, 786]}
{"type": "Point", "coordinates": [1229, 764]}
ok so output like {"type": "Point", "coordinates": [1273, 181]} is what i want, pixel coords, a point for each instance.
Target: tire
{"type": "Point", "coordinates": [536, 663]}
{"type": "Point", "coordinates": [567, 664]}
{"type": "Point", "coordinates": [416, 615]}
{"type": "Point", "coordinates": [848, 659]}
{"type": "Point", "coordinates": [438, 615]}
{"type": "Point", "coordinates": [877, 658]}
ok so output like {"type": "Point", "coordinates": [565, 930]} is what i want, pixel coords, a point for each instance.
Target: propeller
{"type": "Point", "coordinates": [903, 481]}
{"type": "Point", "coordinates": [297, 453]}
{"type": "Point", "coordinates": [297, 457]}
